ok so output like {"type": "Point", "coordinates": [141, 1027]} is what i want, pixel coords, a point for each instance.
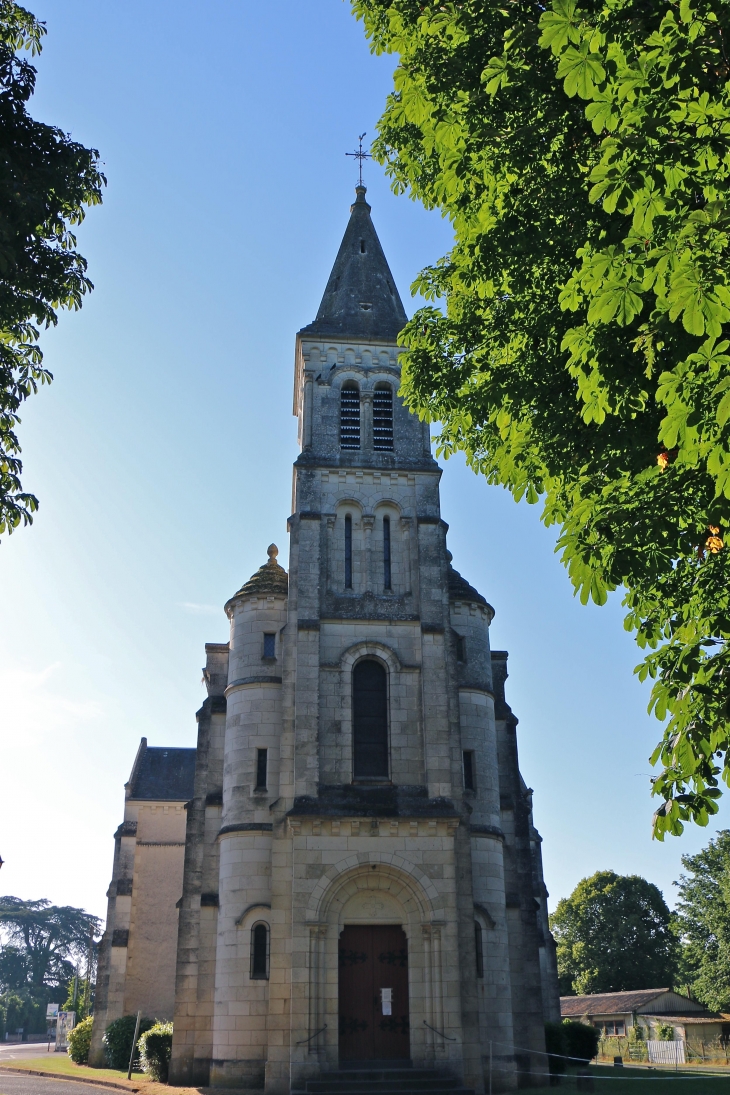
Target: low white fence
{"type": "Point", "coordinates": [665, 1053]}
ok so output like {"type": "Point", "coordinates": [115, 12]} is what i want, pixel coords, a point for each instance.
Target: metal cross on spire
{"type": "Point", "coordinates": [360, 156]}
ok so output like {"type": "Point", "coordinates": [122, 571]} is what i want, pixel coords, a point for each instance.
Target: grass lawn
{"type": "Point", "coordinates": [61, 1063]}
{"type": "Point", "coordinates": [638, 1081]}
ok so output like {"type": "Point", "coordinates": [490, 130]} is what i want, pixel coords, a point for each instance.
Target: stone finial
{"type": "Point", "coordinates": [272, 551]}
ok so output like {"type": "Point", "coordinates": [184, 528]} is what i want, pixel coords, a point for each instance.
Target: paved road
{"type": "Point", "coordinates": [14, 1084]}
{"type": "Point", "coordinates": [22, 1050]}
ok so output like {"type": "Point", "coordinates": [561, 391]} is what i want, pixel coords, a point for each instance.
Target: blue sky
{"type": "Point", "coordinates": [162, 452]}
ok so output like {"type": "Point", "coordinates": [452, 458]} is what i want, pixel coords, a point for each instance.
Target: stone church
{"type": "Point", "coordinates": [362, 886]}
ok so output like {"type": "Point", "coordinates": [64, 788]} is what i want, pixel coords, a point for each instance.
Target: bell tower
{"type": "Point", "coordinates": [379, 896]}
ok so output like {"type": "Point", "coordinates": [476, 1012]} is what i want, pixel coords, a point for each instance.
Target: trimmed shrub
{"type": "Point", "coordinates": [155, 1048]}
{"type": "Point", "coordinates": [118, 1041]}
{"type": "Point", "coordinates": [555, 1044]}
{"type": "Point", "coordinates": [581, 1041]}
{"type": "Point", "coordinates": [79, 1041]}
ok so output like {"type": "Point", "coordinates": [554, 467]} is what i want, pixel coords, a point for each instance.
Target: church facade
{"type": "Point", "coordinates": [362, 880]}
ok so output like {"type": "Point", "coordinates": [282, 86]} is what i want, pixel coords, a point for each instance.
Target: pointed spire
{"type": "Point", "coordinates": [360, 300]}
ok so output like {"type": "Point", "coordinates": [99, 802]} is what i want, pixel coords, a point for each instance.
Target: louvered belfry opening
{"type": "Point", "coordinates": [350, 416]}
{"type": "Point", "coordinates": [383, 418]}
{"type": "Point", "coordinates": [370, 720]}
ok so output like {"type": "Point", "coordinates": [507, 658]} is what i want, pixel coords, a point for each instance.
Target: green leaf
{"type": "Point", "coordinates": [558, 26]}
{"type": "Point", "coordinates": [600, 113]}
{"type": "Point", "coordinates": [496, 75]}
{"type": "Point", "coordinates": [580, 71]}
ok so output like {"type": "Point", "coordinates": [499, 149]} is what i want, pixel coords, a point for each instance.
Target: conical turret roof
{"type": "Point", "coordinates": [269, 578]}
{"type": "Point", "coordinates": [361, 300]}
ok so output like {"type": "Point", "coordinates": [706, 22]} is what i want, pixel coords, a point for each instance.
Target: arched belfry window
{"type": "Point", "coordinates": [383, 417]}
{"type": "Point", "coordinates": [350, 416]}
{"type": "Point", "coordinates": [370, 720]}
{"type": "Point", "coordinates": [260, 952]}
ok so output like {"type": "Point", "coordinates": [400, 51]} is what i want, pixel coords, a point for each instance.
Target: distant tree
{"type": "Point", "coordinates": [46, 180]}
{"type": "Point", "coordinates": [48, 938]}
{"type": "Point", "coordinates": [704, 922]}
{"type": "Point", "coordinates": [613, 933]}
{"type": "Point", "coordinates": [13, 969]}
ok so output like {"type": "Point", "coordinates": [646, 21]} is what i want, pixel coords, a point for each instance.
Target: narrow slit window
{"type": "Point", "coordinates": [262, 760]}
{"type": "Point", "coordinates": [269, 644]}
{"type": "Point", "coordinates": [460, 648]}
{"type": "Point", "coordinates": [479, 948]}
{"type": "Point", "coordinates": [350, 416]}
{"type": "Point", "coordinates": [383, 418]}
{"type": "Point", "coordinates": [259, 952]}
{"type": "Point", "coordinates": [386, 552]}
{"type": "Point", "coordinates": [469, 781]}
{"type": "Point", "coordinates": [362, 247]}
{"type": "Point", "coordinates": [348, 552]}
{"type": "Point", "coordinates": [370, 720]}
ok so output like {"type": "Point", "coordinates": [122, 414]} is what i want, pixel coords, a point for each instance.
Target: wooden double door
{"type": "Point", "coordinates": [373, 994]}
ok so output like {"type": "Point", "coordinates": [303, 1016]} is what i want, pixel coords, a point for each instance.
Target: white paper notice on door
{"type": "Point", "coordinates": [386, 997]}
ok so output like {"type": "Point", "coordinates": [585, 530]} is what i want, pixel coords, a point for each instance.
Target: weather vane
{"type": "Point", "coordinates": [360, 155]}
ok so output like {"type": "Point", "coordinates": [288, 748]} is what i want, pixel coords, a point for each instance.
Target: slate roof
{"type": "Point", "coordinates": [360, 300]}
{"type": "Point", "coordinates": [459, 588]}
{"type": "Point", "coordinates": [269, 578]}
{"type": "Point", "coordinates": [608, 1003]}
{"type": "Point", "coordinates": [162, 774]}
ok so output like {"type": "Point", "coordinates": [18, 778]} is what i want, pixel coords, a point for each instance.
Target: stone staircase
{"type": "Point", "coordinates": [384, 1081]}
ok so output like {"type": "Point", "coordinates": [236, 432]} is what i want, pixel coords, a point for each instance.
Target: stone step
{"type": "Point", "coordinates": [386, 1088]}
{"type": "Point", "coordinates": [403, 1081]}
{"type": "Point", "coordinates": [379, 1074]}
{"type": "Point", "coordinates": [348, 1086]}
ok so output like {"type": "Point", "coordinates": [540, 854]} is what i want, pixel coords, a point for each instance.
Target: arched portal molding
{"type": "Point", "coordinates": [374, 871]}
{"type": "Point", "coordinates": [371, 649]}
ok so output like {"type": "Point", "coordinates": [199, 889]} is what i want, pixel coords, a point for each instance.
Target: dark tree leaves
{"type": "Point", "coordinates": [613, 934]}
{"type": "Point", "coordinates": [582, 155]}
{"type": "Point", "coordinates": [46, 180]}
{"type": "Point", "coordinates": [704, 922]}
{"type": "Point", "coordinates": [49, 938]}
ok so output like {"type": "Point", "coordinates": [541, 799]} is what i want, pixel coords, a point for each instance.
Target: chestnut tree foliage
{"type": "Point", "coordinates": [46, 180]}
{"type": "Point", "coordinates": [581, 151]}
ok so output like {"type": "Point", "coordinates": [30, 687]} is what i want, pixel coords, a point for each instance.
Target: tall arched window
{"type": "Point", "coordinates": [370, 720]}
{"type": "Point", "coordinates": [386, 553]}
{"type": "Point", "coordinates": [383, 417]}
{"type": "Point", "coordinates": [260, 952]}
{"type": "Point", "coordinates": [350, 415]}
{"type": "Point", "coordinates": [348, 551]}
{"type": "Point", "coordinates": [479, 948]}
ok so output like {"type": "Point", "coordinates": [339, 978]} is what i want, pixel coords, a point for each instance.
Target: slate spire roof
{"type": "Point", "coordinates": [361, 300]}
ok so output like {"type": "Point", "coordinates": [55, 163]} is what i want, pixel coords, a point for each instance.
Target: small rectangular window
{"type": "Point", "coordinates": [460, 648]}
{"type": "Point", "coordinates": [469, 781]}
{"type": "Point", "coordinates": [261, 763]}
{"type": "Point", "coordinates": [479, 948]}
{"type": "Point", "coordinates": [269, 644]}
